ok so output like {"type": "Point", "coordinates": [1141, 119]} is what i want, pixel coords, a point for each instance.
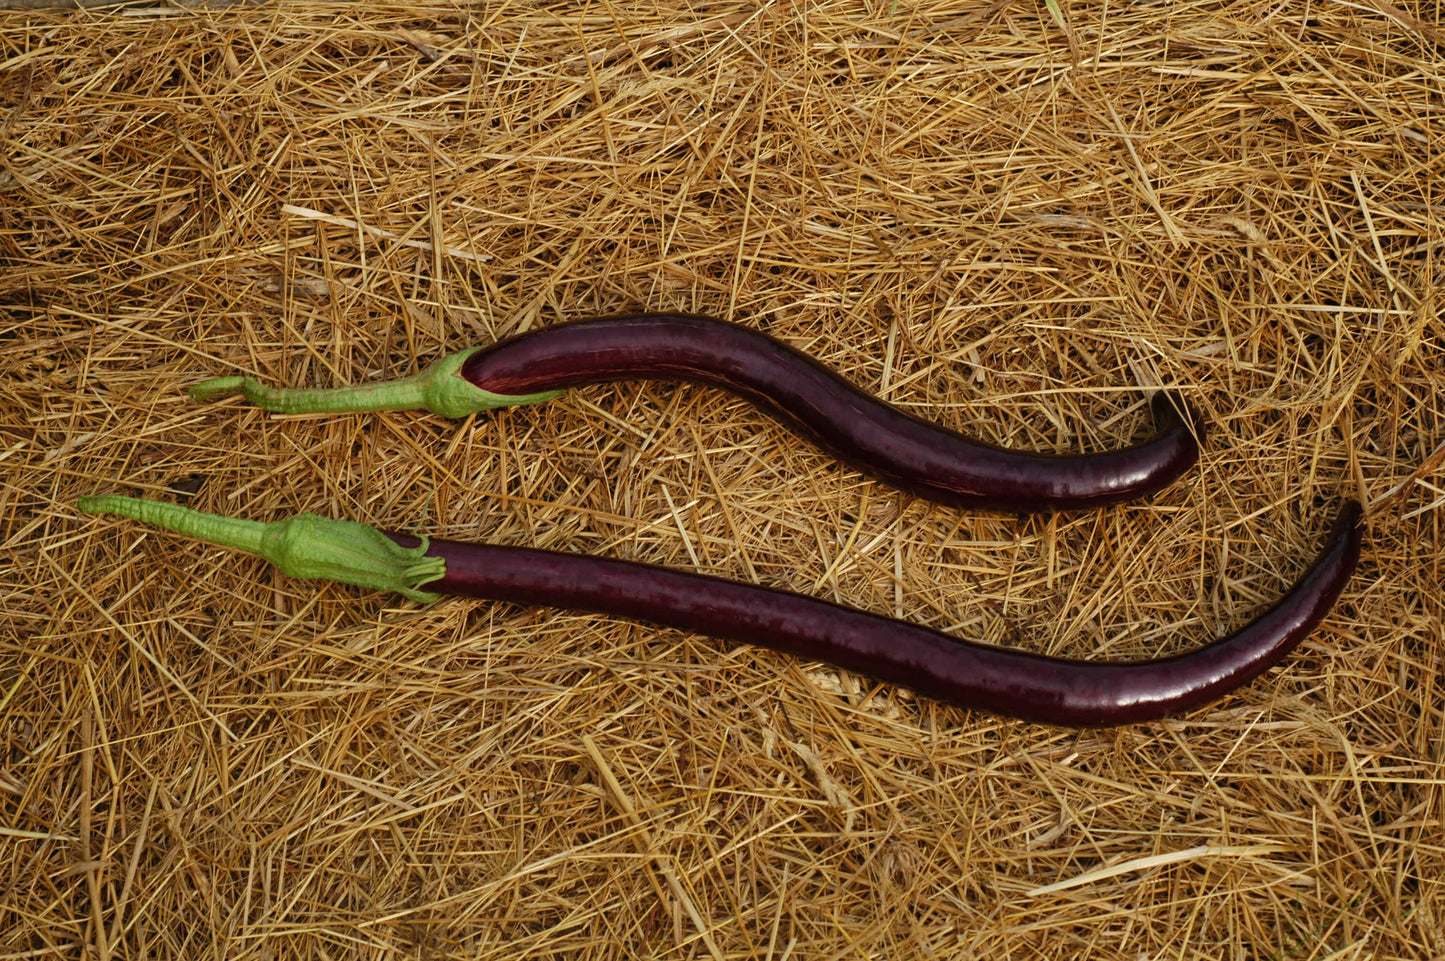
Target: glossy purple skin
{"type": "Point", "coordinates": [1012, 683]}
{"type": "Point", "coordinates": [911, 454]}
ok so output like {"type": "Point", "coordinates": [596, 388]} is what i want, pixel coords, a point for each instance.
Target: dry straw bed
{"type": "Point", "coordinates": [1008, 217]}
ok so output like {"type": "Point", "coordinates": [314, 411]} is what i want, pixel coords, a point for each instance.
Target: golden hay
{"type": "Point", "coordinates": [1008, 217]}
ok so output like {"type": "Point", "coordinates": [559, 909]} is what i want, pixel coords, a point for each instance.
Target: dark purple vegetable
{"type": "Point", "coordinates": [1028, 686]}
{"type": "Point", "coordinates": [911, 454]}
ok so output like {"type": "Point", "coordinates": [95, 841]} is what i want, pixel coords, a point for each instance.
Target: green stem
{"type": "Point", "coordinates": [439, 388]}
{"type": "Point", "coordinates": [305, 546]}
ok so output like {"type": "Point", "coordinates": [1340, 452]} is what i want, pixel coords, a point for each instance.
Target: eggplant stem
{"type": "Point", "coordinates": [306, 546]}
{"type": "Point", "coordinates": [439, 388]}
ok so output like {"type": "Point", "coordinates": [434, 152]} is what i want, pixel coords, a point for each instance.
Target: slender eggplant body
{"type": "Point", "coordinates": [1012, 683]}
{"type": "Point", "coordinates": [912, 454]}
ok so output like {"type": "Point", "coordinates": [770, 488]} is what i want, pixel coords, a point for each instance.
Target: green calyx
{"type": "Point", "coordinates": [440, 388]}
{"type": "Point", "coordinates": [304, 546]}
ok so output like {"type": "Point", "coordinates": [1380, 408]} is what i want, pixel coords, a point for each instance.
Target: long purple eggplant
{"type": "Point", "coordinates": [1013, 683]}
{"type": "Point", "coordinates": [913, 455]}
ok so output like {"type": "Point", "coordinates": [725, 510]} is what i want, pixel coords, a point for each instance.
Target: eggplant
{"type": "Point", "coordinates": [1018, 684]}
{"type": "Point", "coordinates": [911, 454]}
